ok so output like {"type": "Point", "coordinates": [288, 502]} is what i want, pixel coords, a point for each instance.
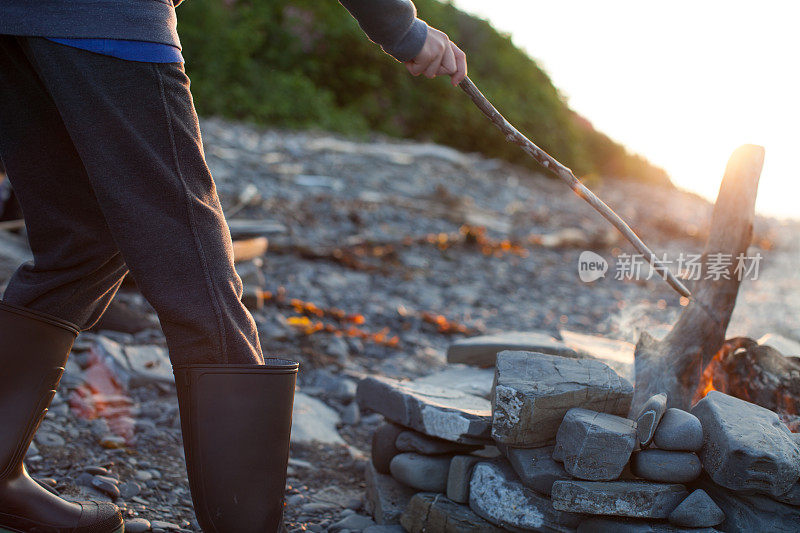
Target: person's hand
{"type": "Point", "coordinates": [439, 57]}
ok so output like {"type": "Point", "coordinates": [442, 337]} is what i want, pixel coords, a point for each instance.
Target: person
{"type": "Point", "coordinates": [100, 140]}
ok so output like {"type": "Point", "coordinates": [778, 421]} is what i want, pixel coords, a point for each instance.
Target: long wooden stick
{"type": "Point", "coordinates": [550, 163]}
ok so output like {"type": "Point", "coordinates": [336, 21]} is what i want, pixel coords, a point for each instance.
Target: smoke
{"type": "Point", "coordinates": [632, 319]}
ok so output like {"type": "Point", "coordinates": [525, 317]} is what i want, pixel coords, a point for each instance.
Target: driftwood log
{"type": "Point", "coordinates": [675, 364]}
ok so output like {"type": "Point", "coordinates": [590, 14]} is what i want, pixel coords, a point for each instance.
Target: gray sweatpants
{"type": "Point", "coordinates": [106, 160]}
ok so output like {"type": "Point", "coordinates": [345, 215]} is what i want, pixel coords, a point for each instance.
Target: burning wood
{"type": "Point", "coordinates": [758, 374]}
{"type": "Point", "coordinates": [675, 365]}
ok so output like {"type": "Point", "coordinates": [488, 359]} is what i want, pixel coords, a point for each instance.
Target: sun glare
{"type": "Point", "coordinates": [682, 84]}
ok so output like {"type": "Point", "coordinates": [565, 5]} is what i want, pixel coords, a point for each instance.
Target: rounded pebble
{"type": "Point", "coordinates": [129, 489]}
{"type": "Point", "coordinates": [136, 525]}
{"type": "Point", "coordinates": [666, 466]}
{"type": "Point", "coordinates": [106, 485]}
{"type": "Point", "coordinates": [383, 448]}
{"type": "Point", "coordinates": [697, 510]}
{"type": "Point", "coordinates": [649, 417]}
{"type": "Point", "coordinates": [679, 431]}
{"type": "Point", "coordinates": [421, 472]}
{"type": "Point", "coordinates": [48, 438]}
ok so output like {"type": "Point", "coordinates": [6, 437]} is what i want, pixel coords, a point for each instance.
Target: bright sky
{"type": "Point", "coordinates": [682, 82]}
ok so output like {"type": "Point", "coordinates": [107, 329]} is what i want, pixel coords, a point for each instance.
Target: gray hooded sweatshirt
{"type": "Point", "coordinates": [390, 23]}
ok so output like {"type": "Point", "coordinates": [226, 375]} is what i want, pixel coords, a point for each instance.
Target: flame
{"type": "Point", "coordinates": [714, 376]}
{"type": "Point", "coordinates": [735, 369]}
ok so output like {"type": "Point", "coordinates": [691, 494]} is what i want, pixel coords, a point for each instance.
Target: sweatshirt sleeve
{"type": "Point", "coordinates": [393, 24]}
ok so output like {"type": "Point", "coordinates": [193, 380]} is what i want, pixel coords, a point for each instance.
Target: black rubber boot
{"type": "Point", "coordinates": [236, 421]}
{"type": "Point", "coordinates": [33, 351]}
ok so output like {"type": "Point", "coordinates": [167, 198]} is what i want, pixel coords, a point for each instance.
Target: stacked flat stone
{"type": "Point", "coordinates": [752, 465]}
{"type": "Point", "coordinates": [558, 422]}
{"type": "Point", "coordinates": [568, 457]}
{"type": "Point", "coordinates": [425, 451]}
{"type": "Point", "coordinates": [677, 435]}
{"type": "Point", "coordinates": [533, 391]}
{"type": "Point", "coordinates": [596, 448]}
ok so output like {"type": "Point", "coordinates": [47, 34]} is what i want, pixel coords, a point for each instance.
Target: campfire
{"type": "Point", "coordinates": [553, 440]}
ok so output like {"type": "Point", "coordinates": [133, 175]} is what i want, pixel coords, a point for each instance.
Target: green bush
{"type": "Point", "coordinates": [306, 64]}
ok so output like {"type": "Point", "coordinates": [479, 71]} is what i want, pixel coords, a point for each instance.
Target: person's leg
{"type": "Point", "coordinates": [135, 130]}
{"type": "Point", "coordinates": [77, 266]}
{"type": "Point", "coordinates": [34, 345]}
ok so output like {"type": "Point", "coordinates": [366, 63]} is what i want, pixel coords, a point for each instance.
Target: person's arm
{"type": "Point", "coordinates": [393, 24]}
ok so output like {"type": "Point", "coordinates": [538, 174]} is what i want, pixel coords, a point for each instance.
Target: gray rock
{"type": "Point", "coordinates": [137, 525]}
{"type": "Point", "coordinates": [475, 381]}
{"type": "Point", "coordinates": [447, 414]}
{"type": "Point", "coordinates": [248, 228]}
{"type": "Point", "coordinates": [666, 466]}
{"type": "Point", "coordinates": [411, 441]}
{"type": "Point", "coordinates": [697, 510]}
{"type": "Point", "coordinates": [338, 348]}
{"type": "Point", "coordinates": [319, 507]}
{"type": "Point", "coordinates": [433, 513]}
{"type": "Point", "coordinates": [96, 470]}
{"type": "Point", "coordinates": [135, 365]}
{"type": "Point", "coordinates": [129, 489]}
{"type": "Point", "coordinates": [649, 417]}
{"type": "Point", "coordinates": [421, 472]}
{"type": "Point", "coordinates": [536, 467]}
{"type": "Point", "coordinates": [792, 497]}
{"type": "Point", "coordinates": [385, 499]}
{"type": "Point", "coordinates": [497, 495]}
{"type": "Point", "coordinates": [482, 350]}
{"type": "Point", "coordinates": [749, 513]}
{"type": "Point", "coordinates": [143, 475]}
{"type": "Point", "coordinates": [558, 453]}
{"type": "Point", "coordinates": [351, 414]}
{"type": "Point", "coordinates": [352, 522]}
{"type": "Point", "coordinates": [679, 431]}
{"type": "Point", "coordinates": [383, 446]}
{"type": "Point", "coordinates": [595, 446]}
{"type": "Point", "coordinates": [385, 529]}
{"type": "Point", "coordinates": [49, 438]}
{"type": "Point", "coordinates": [313, 421]}
{"type": "Point", "coordinates": [106, 485]}
{"type": "Point", "coordinates": [637, 499]}
{"type": "Point", "coordinates": [534, 391]}
{"type": "Point", "coordinates": [459, 475]}
{"type": "Point", "coordinates": [161, 524]}
{"type": "Point", "coordinates": [600, 524]}
{"type": "Point", "coordinates": [324, 382]}
{"type": "Point", "coordinates": [33, 450]}
{"type": "Point", "coordinates": [746, 447]}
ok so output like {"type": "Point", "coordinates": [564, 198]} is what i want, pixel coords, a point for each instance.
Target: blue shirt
{"type": "Point", "coordinates": [130, 50]}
